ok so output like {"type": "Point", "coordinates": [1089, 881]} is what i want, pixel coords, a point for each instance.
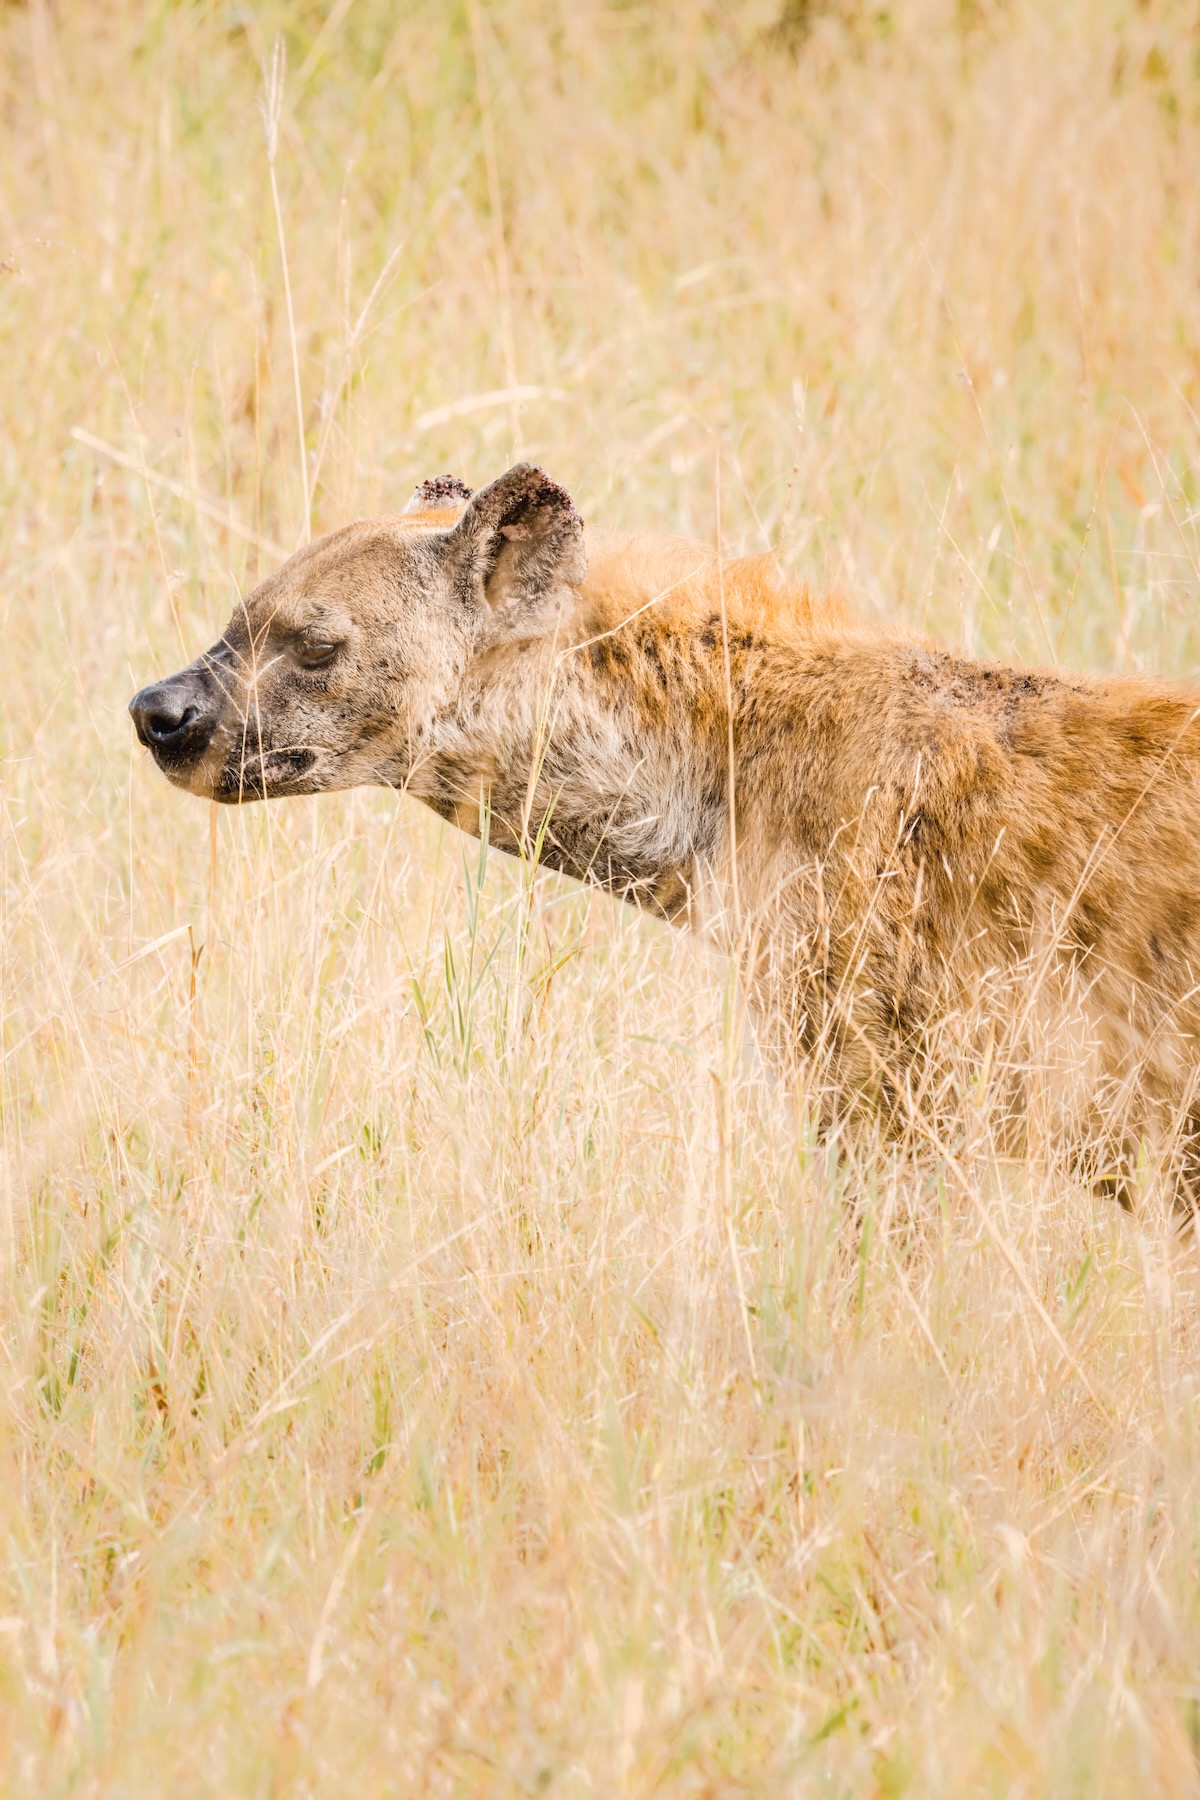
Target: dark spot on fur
{"type": "Point", "coordinates": [914, 830]}
{"type": "Point", "coordinates": [716, 794]}
{"type": "Point", "coordinates": [1040, 844]}
{"type": "Point", "coordinates": [608, 657]}
{"type": "Point", "coordinates": [650, 651]}
{"type": "Point", "coordinates": [374, 725]}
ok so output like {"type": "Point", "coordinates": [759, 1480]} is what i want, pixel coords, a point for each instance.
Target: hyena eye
{"type": "Point", "coordinates": [315, 653]}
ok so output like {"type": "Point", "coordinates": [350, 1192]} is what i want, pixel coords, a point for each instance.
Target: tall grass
{"type": "Point", "coordinates": [432, 1359]}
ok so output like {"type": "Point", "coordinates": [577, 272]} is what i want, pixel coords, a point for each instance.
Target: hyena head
{"type": "Point", "coordinates": [332, 672]}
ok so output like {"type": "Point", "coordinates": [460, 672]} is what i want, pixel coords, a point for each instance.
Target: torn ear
{"type": "Point", "coordinates": [438, 493]}
{"type": "Point", "coordinates": [521, 540]}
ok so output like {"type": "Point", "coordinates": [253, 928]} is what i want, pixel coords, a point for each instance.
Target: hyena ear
{"type": "Point", "coordinates": [438, 492]}
{"type": "Point", "coordinates": [520, 540]}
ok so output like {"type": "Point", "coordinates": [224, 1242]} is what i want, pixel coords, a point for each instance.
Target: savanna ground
{"type": "Point", "coordinates": [433, 1360]}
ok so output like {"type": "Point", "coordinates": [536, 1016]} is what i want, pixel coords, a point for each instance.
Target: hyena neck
{"type": "Point", "coordinates": [593, 776]}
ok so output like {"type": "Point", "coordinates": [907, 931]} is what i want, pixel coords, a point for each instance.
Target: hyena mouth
{"type": "Point", "coordinates": [274, 772]}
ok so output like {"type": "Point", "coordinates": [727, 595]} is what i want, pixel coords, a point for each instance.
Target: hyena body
{"type": "Point", "coordinates": [886, 834]}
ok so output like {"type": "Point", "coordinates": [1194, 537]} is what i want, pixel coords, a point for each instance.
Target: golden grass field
{"type": "Point", "coordinates": [434, 1361]}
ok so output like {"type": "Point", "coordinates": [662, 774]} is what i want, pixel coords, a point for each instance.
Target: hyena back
{"type": "Point", "coordinates": [885, 833]}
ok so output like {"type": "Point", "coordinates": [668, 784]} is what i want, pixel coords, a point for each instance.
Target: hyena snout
{"type": "Point", "coordinates": [175, 719]}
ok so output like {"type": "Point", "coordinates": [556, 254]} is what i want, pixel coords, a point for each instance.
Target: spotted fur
{"type": "Point", "coordinates": [884, 831]}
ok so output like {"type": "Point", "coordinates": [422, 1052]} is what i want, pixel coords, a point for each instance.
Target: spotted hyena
{"type": "Point", "coordinates": [887, 834]}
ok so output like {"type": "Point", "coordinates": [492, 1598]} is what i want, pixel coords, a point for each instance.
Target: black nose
{"type": "Point", "coordinates": [171, 717]}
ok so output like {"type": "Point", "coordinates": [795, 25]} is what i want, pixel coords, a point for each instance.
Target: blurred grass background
{"type": "Point", "coordinates": [430, 1362]}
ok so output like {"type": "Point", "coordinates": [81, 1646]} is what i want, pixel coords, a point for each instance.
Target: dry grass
{"type": "Point", "coordinates": [430, 1364]}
